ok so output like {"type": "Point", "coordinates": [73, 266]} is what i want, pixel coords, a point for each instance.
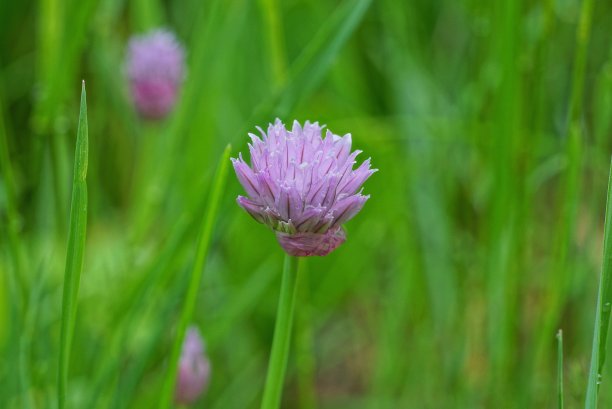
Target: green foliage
{"type": "Point", "coordinates": [219, 181]}
{"type": "Point", "coordinates": [602, 313]}
{"type": "Point", "coordinates": [488, 120]}
{"type": "Point", "coordinates": [560, 397]}
{"type": "Point", "coordinates": [76, 249]}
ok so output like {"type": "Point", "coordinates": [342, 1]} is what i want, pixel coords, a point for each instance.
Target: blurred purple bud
{"type": "Point", "coordinates": [155, 67]}
{"type": "Point", "coordinates": [193, 370]}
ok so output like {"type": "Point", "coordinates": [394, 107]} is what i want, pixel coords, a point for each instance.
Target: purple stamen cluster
{"type": "Point", "coordinates": [303, 186]}
{"type": "Point", "coordinates": [155, 68]}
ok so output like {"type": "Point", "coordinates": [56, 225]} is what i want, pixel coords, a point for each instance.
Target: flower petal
{"type": "Point", "coordinates": [347, 208]}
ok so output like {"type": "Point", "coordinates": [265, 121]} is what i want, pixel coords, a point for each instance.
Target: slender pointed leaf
{"type": "Point", "coordinates": [76, 250]}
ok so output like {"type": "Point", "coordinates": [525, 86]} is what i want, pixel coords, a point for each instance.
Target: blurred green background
{"type": "Point", "coordinates": [490, 122]}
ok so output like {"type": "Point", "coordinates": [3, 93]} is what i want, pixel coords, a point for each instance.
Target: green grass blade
{"type": "Point", "coordinates": [316, 58]}
{"type": "Point", "coordinates": [560, 369]}
{"type": "Point", "coordinates": [582, 41]}
{"type": "Point", "coordinates": [561, 270]}
{"type": "Point", "coordinates": [602, 314]}
{"type": "Point", "coordinates": [235, 394]}
{"type": "Point", "coordinates": [76, 249]}
{"type": "Point", "coordinates": [16, 284]}
{"type": "Point", "coordinates": [63, 29]}
{"type": "Point", "coordinates": [147, 15]}
{"type": "Point", "coordinates": [13, 216]}
{"type": "Point", "coordinates": [312, 64]}
{"type": "Point", "coordinates": [259, 281]}
{"type": "Point", "coordinates": [505, 219]}
{"type": "Point", "coordinates": [276, 43]}
{"type": "Point", "coordinates": [196, 275]}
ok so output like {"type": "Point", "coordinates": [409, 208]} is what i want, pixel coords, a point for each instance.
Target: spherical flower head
{"type": "Point", "coordinates": [155, 67]}
{"type": "Point", "coordinates": [193, 369]}
{"type": "Point", "coordinates": [303, 186]}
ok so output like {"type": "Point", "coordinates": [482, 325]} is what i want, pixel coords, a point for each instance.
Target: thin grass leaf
{"type": "Point", "coordinates": [602, 313]}
{"type": "Point", "coordinates": [196, 275]}
{"type": "Point", "coordinates": [505, 217]}
{"type": "Point", "coordinates": [276, 40]}
{"type": "Point", "coordinates": [27, 336]}
{"type": "Point", "coordinates": [400, 301]}
{"type": "Point", "coordinates": [15, 279]}
{"type": "Point", "coordinates": [147, 14]}
{"type": "Point", "coordinates": [416, 93]}
{"type": "Point", "coordinates": [125, 396]}
{"type": "Point", "coordinates": [154, 275]}
{"type": "Point", "coordinates": [12, 213]}
{"type": "Point", "coordinates": [244, 302]}
{"type": "Point", "coordinates": [560, 369]}
{"type": "Point", "coordinates": [313, 63]}
{"type": "Point", "coordinates": [582, 41]}
{"type": "Point", "coordinates": [569, 195]}
{"type": "Point", "coordinates": [76, 249]}
{"type": "Point", "coordinates": [62, 29]}
{"type": "Point", "coordinates": [241, 391]}
{"type": "Point", "coordinates": [308, 69]}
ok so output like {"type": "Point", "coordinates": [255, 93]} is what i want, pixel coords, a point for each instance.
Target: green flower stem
{"type": "Point", "coordinates": [282, 336]}
{"type": "Point", "coordinates": [305, 360]}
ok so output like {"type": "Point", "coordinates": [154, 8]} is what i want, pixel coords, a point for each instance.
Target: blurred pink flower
{"type": "Point", "coordinates": [155, 69]}
{"type": "Point", "coordinates": [194, 369]}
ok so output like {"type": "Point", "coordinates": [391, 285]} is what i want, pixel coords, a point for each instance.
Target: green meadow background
{"type": "Point", "coordinates": [490, 123]}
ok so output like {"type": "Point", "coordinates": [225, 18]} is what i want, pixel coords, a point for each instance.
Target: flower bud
{"type": "Point", "coordinates": [193, 369]}
{"type": "Point", "coordinates": [155, 69]}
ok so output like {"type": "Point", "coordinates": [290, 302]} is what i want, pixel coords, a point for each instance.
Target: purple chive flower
{"type": "Point", "coordinates": [303, 186]}
{"type": "Point", "coordinates": [155, 69]}
{"type": "Point", "coordinates": [193, 370]}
